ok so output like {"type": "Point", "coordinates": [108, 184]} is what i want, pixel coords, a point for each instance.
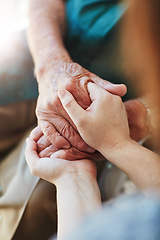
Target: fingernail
{"type": "Point", "coordinates": [62, 93]}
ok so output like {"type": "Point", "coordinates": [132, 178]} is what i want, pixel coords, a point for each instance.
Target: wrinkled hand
{"type": "Point", "coordinates": [103, 125]}
{"type": "Point", "coordinates": [52, 118]}
{"type": "Point", "coordinates": [137, 116]}
{"type": "Point", "coordinates": [47, 149]}
{"type": "Point", "coordinates": [51, 168]}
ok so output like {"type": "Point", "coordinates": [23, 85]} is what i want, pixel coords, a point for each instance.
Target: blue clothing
{"type": "Point", "coordinates": [126, 218]}
{"type": "Point", "coordinates": [91, 25]}
{"type": "Point", "coordinates": [92, 40]}
{"type": "Point", "coordinates": [94, 37]}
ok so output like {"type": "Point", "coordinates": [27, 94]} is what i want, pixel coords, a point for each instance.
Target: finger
{"type": "Point", "coordinates": [96, 92]}
{"type": "Point", "coordinates": [69, 133]}
{"type": "Point", "coordinates": [53, 135]}
{"type": "Point", "coordinates": [75, 112]}
{"type": "Point", "coordinates": [74, 154]}
{"type": "Point", "coordinates": [36, 134]}
{"type": "Point", "coordinates": [43, 143]}
{"type": "Point", "coordinates": [116, 89]}
{"type": "Point", "coordinates": [70, 154]}
{"type": "Point", "coordinates": [48, 151]}
{"type": "Point", "coordinates": [38, 166]}
{"type": "Point", "coordinates": [31, 153]}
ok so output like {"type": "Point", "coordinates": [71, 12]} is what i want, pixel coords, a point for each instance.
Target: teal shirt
{"type": "Point", "coordinates": [89, 22]}
{"type": "Point", "coordinates": [93, 40]}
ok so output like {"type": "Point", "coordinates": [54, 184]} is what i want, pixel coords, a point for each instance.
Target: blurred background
{"type": "Point", "coordinates": [13, 23]}
{"type": "Point", "coordinates": [13, 17]}
{"type": "Point", "coordinates": [17, 82]}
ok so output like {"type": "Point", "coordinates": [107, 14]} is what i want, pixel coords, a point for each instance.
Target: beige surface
{"type": "Point", "coordinates": [15, 119]}
{"type": "Point", "coordinates": [17, 184]}
{"type": "Point", "coordinates": [21, 199]}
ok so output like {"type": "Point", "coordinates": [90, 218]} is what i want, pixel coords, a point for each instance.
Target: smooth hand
{"type": "Point", "coordinates": [54, 121]}
{"type": "Point", "coordinates": [104, 124]}
{"type": "Point", "coordinates": [54, 169]}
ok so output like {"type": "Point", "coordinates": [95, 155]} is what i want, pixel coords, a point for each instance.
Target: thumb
{"type": "Point", "coordinates": [96, 92]}
{"type": "Point", "coordinates": [116, 89]}
{"type": "Point", "coordinates": [76, 112]}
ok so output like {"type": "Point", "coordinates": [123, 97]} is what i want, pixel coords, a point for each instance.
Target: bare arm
{"type": "Point", "coordinates": [141, 165]}
{"type": "Point", "coordinates": [46, 32]}
{"type": "Point", "coordinates": [77, 189]}
{"type": "Point", "coordinates": [104, 126]}
{"type": "Point", "coordinates": [77, 196]}
{"type": "Point", "coordinates": [55, 70]}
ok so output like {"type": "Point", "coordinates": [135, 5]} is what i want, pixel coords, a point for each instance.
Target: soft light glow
{"type": "Point", "coordinates": [7, 29]}
{"type": "Point", "coordinates": [13, 17]}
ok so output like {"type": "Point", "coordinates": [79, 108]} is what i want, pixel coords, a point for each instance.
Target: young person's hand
{"type": "Point", "coordinates": [54, 169]}
{"type": "Point", "coordinates": [76, 182]}
{"type": "Point", "coordinates": [78, 193]}
{"type": "Point", "coordinates": [103, 125]}
{"type": "Point", "coordinates": [52, 118]}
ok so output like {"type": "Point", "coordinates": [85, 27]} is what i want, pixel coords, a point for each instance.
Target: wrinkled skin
{"type": "Point", "coordinates": [47, 149]}
{"type": "Point", "coordinates": [137, 117]}
{"type": "Point", "coordinates": [136, 113]}
{"type": "Point", "coordinates": [54, 169]}
{"type": "Point", "coordinates": [52, 118]}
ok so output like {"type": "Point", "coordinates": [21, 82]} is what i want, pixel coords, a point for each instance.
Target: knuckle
{"type": "Point", "coordinates": [57, 140]}
{"type": "Point", "coordinates": [73, 68]}
{"type": "Point", "coordinates": [47, 129]}
{"type": "Point", "coordinates": [67, 131]}
{"type": "Point", "coordinates": [40, 112]}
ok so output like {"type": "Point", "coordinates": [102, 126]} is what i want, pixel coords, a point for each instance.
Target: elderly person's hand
{"type": "Point", "coordinates": [46, 149]}
{"type": "Point", "coordinates": [137, 119]}
{"type": "Point", "coordinates": [52, 118]}
{"type": "Point", "coordinates": [103, 125]}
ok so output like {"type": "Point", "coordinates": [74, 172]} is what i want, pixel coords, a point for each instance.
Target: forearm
{"type": "Point", "coordinates": [46, 32]}
{"type": "Point", "coordinates": [140, 164]}
{"type": "Point", "coordinates": [76, 197]}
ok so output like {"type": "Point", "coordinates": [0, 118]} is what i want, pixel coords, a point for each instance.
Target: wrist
{"type": "Point", "coordinates": [49, 64]}
{"type": "Point", "coordinates": [77, 196]}
{"type": "Point", "coordinates": [74, 179]}
{"type": "Point", "coordinates": [112, 153]}
{"type": "Point", "coordinates": [83, 186]}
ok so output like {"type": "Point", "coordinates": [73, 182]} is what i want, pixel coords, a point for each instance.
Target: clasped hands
{"type": "Point", "coordinates": [76, 122]}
